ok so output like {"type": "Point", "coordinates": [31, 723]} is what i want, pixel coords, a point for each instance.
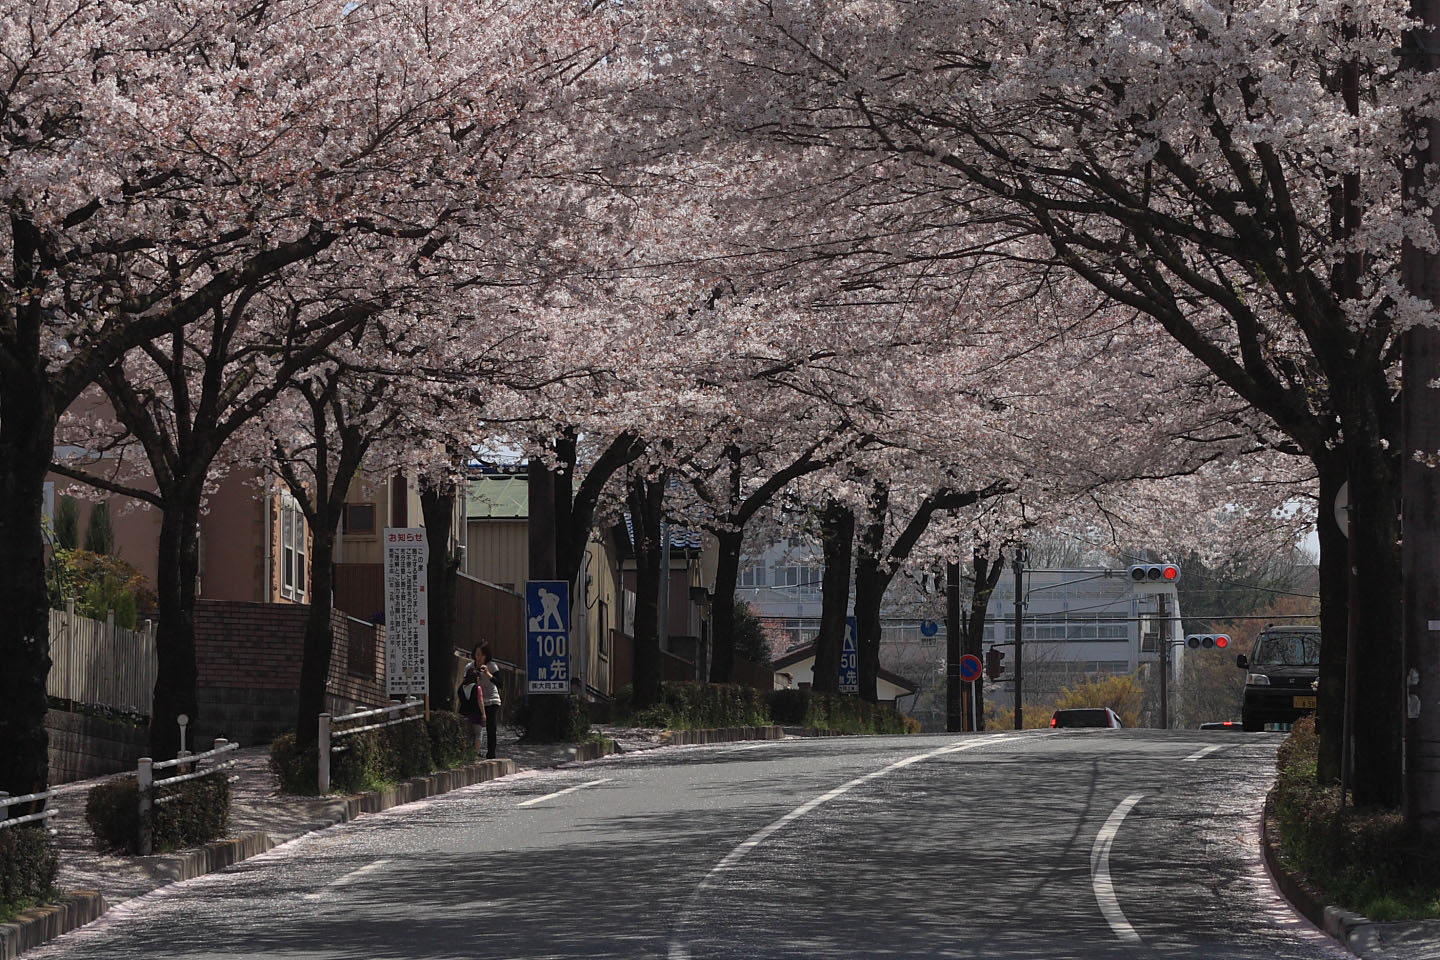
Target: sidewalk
{"type": "Point", "coordinates": [260, 818]}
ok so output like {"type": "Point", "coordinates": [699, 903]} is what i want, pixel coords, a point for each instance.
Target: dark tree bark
{"type": "Point", "coordinates": [732, 512]}
{"type": "Point", "coordinates": [837, 537]}
{"type": "Point", "coordinates": [647, 505]}
{"type": "Point", "coordinates": [1334, 585]}
{"type": "Point", "coordinates": [985, 574]}
{"type": "Point", "coordinates": [437, 505]}
{"type": "Point", "coordinates": [875, 566]}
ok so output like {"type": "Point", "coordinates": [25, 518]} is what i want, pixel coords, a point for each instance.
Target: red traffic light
{"type": "Point", "coordinates": [1154, 572]}
{"type": "Point", "coordinates": [1207, 641]}
{"type": "Point", "coordinates": [1170, 572]}
{"type": "Point", "coordinates": [1222, 641]}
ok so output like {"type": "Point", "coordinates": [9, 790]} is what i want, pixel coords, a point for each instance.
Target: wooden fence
{"type": "Point", "coordinates": [99, 663]}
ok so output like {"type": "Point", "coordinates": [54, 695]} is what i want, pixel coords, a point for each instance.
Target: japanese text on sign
{"type": "Point", "coordinates": [850, 660]}
{"type": "Point", "coordinates": [547, 636]}
{"type": "Point", "coordinates": [407, 638]}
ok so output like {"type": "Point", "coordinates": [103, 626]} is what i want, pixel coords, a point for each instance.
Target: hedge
{"type": "Point", "coordinates": [835, 711]}
{"type": "Point", "coordinates": [27, 868]}
{"type": "Point", "coordinates": [200, 813]}
{"type": "Point", "coordinates": [711, 705]}
{"type": "Point", "coordinates": [376, 758]}
{"type": "Point", "coordinates": [1368, 861]}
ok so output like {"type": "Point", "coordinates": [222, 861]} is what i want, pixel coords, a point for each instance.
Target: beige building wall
{"type": "Point", "coordinates": [498, 551]}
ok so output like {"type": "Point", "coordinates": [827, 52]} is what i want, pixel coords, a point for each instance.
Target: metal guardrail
{"type": "Point", "coordinates": [147, 784]}
{"type": "Point", "coordinates": [328, 734]}
{"type": "Point", "coordinates": [7, 801]}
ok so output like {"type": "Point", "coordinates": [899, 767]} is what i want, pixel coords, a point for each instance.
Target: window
{"type": "Point", "coordinates": [602, 627]}
{"type": "Point", "coordinates": [752, 575]}
{"type": "Point", "coordinates": [292, 549]}
{"type": "Point", "coordinates": [359, 518]}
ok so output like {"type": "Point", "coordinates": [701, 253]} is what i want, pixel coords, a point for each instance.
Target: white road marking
{"type": "Point", "coordinates": [1204, 751]}
{"type": "Point", "coordinates": [561, 793]}
{"type": "Point", "coordinates": [678, 951]}
{"type": "Point", "coordinates": [346, 879]}
{"type": "Point", "coordinates": [1100, 871]}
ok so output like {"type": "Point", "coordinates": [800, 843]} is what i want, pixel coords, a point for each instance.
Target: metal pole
{"type": "Point", "coordinates": [1019, 635]}
{"type": "Point", "coordinates": [1164, 636]}
{"type": "Point", "coordinates": [144, 782]}
{"type": "Point", "coordinates": [322, 742]}
{"type": "Point", "coordinates": [954, 717]}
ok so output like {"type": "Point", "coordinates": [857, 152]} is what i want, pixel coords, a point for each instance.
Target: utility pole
{"type": "Point", "coordinates": [1019, 634]}
{"type": "Point", "coordinates": [1163, 632]}
{"type": "Point", "coordinates": [954, 707]}
{"type": "Point", "coordinates": [1420, 433]}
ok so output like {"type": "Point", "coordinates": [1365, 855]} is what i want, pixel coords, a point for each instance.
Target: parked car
{"type": "Point", "coordinates": [1222, 725]}
{"type": "Point", "coordinates": [1086, 717]}
{"type": "Point", "coordinates": [1282, 674]}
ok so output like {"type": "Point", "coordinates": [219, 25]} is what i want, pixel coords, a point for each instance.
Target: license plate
{"type": "Point", "coordinates": [1304, 703]}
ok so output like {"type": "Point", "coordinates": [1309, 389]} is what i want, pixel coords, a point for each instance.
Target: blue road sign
{"type": "Point", "coordinates": [928, 628]}
{"type": "Point", "coordinates": [547, 636]}
{"type": "Point", "coordinates": [850, 660]}
{"type": "Point", "coordinates": [970, 668]}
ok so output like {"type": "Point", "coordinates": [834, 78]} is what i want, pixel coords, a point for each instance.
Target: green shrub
{"type": "Point", "coordinates": [840, 712]}
{"type": "Point", "coordinates": [451, 742]}
{"type": "Point", "coordinates": [199, 813]}
{"type": "Point", "coordinates": [701, 706]}
{"type": "Point", "coordinates": [27, 868]}
{"type": "Point", "coordinates": [295, 767]}
{"type": "Point", "coordinates": [1368, 861]}
{"type": "Point", "coordinates": [410, 744]}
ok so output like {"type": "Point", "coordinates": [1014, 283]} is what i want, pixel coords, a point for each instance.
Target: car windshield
{"type": "Point", "coordinates": [1289, 649]}
{"type": "Point", "coordinates": [1082, 718]}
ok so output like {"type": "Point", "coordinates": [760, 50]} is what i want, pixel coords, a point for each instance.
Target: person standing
{"type": "Point", "coordinates": [472, 703]}
{"type": "Point", "coordinates": [490, 696]}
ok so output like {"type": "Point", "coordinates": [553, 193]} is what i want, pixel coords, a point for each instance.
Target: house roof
{"type": "Point", "coordinates": [806, 651]}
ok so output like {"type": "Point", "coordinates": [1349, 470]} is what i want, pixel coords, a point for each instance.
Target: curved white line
{"type": "Point", "coordinates": [678, 951]}
{"type": "Point", "coordinates": [1100, 871]}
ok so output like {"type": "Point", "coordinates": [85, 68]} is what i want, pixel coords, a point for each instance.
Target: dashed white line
{"type": "Point", "coordinates": [1100, 871]}
{"type": "Point", "coordinates": [560, 793]}
{"type": "Point", "coordinates": [346, 879]}
{"type": "Point", "coordinates": [1204, 751]}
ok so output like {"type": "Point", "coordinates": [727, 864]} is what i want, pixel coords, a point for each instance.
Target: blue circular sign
{"type": "Point", "coordinates": [928, 628]}
{"type": "Point", "coordinates": [969, 668]}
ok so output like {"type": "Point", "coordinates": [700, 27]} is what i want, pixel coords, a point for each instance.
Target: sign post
{"type": "Point", "coordinates": [970, 668]}
{"type": "Point", "coordinates": [547, 636]}
{"type": "Point", "coordinates": [850, 660]}
{"type": "Point", "coordinates": [407, 638]}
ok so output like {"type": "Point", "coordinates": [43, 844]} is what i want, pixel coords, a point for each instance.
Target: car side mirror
{"type": "Point", "coordinates": [1242, 661]}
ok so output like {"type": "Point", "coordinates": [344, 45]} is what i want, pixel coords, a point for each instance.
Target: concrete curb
{"type": "Point", "coordinates": [42, 924]}
{"type": "Point", "coordinates": [688, 738]}
{"type": "Point", "coordinates": [1358, 934]}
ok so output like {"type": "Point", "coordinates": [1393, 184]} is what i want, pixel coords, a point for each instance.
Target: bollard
{"type": "Point", "coordinates": [322, 778]}
{"type": "Point", "coordinates": [144, 780]}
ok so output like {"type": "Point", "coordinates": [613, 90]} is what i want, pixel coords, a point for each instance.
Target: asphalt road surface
{"type": "Point", "coordinates": [1043, 845]}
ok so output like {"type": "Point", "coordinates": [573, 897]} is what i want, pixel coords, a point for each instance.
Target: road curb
{"type": "Point", "coordinates": [39, 925]}
{"type": "Point", "coordinates": [1354, 932]}
{"type": "Point", "coordinates": [42, 924]}
{"type": "Point", "coordinates": [690, 738]}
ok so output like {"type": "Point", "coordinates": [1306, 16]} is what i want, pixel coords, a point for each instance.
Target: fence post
{"type": "Point", "coordinates": [144, 780]}
{"type": "Point", "coordinates": [322, 778]}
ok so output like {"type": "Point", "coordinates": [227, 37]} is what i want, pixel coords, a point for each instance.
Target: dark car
{"type": "Point", "coordinates": [1085, 717]}
{"type": "Point", "coordinates": [1282, 675]}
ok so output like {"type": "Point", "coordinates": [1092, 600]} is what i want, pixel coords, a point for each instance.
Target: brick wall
{"type": "Point", "coordinates": [82, 746]}
{"type": "Point", "coordinates": [248, 657]}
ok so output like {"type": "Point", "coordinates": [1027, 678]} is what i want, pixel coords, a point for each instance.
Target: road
{"type": "Point", "coordinates": [1043, 845]}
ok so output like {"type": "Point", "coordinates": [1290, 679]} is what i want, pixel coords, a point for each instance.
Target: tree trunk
{"type": "Point", "coordinates": [1334, 585]}
{"type": "Point", "coordinates": [727, 575]}
{"type": "Point", "coordinates": [647, 499]}
{"type": "Point", "coordinates": [319, 648]}
{"type": "Point", "coordinates": [27, 437]}
{"type": "Point", "coordinates": [837, 534]}
{"type": "Point", "coordinates": [986, 576]}
{"type": "Point", "coordinates": [1379, 714]}
{"type": "Point", "coordinates": [176, 670]}
{"type": "Point", "coordinates": [871, 582]}
{"type": "Point", "coordinates": [437, 505]}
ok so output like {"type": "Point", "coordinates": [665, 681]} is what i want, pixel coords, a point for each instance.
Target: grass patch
{"type": "Point", "coordinates": [1366, 861]}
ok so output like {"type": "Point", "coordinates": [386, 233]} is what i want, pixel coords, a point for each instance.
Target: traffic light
{"type": "Point", "coordinates": [994, 663]}
{"type": "Point", "coordinates": [1154, 572]}
{"type": "Point", "coordinates": [1207, 641]}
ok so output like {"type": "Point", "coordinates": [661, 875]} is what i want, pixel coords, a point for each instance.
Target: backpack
{"type": "Point", "coordinates": [469, 705]}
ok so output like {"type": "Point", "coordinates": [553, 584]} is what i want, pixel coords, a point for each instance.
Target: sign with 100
{"type": "Point", "coordinates": [547, 636]}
